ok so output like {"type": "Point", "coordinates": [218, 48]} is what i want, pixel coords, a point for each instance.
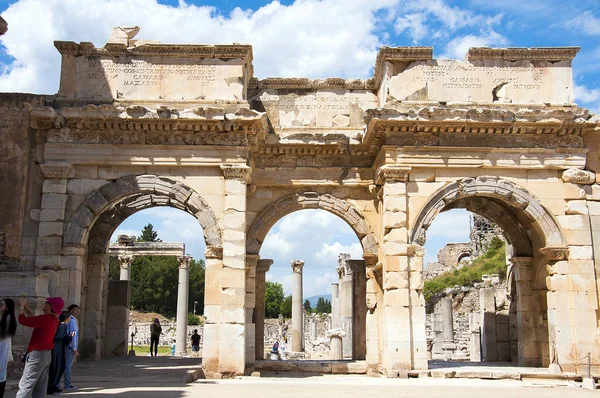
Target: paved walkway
{"type": "Point", "coordinates": [163, 377]}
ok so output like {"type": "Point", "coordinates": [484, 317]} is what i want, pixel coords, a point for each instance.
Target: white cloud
{"type": "Point", "coordinates": [586, 22]}
{"type": "Point", "coordinates": [458, 47]}
{"type": "Point", "coordinates": [414, 24]}
{"type": "Point", "coordinates": [590, 97]}
{"type": "Point", "coordinates": [328, 255]}
{"type": "Point", "coordinates": [309, 38]}
{"type": "Point", "coordinates": [452, 224]}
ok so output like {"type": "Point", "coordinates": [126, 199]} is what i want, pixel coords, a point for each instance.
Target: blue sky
{"type": "Point", "coordinates": [303, 38]}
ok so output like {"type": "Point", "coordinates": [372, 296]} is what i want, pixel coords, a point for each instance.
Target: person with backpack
{"type": "Point", "coordinates": [8, 327]}
{"type": "Point", "coordinates": [155, 331]}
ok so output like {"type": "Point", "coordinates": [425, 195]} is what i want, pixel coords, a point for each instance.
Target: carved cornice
{"type": "Point", "coordinates": [390, 54]}
{"type": "Point", "coordinates": [555, 253]}
{"type": "Point", "coordinates": [519, 53]}
{"type": "Point", "coordinates": [297, 265]}
{"type": "Point", "coordinates": [243, 51]}
{"type": "Point", "coordinates": [57, 170]}
{"type": "Point", "coordinates": [213, 252]}
{"type": "Point", "coordinates": [389, 173]}
{"type": "Point", "coordinates": [236, 172]}
{"type": "Point", "coordinates": [264, 264]}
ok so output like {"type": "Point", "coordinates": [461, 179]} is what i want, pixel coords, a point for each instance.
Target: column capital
{"type": "Point", "coordinates": [213, 252]}
{"type": "Point", "coordinates": [184, 261]}
{"type": "Point", "coordinates": [264, 265]}
{"type": "Point", "coordinates": [126, 260]}
{"type": "Point", "coordinates": [519, 262]}
{"type": "Point", "coordinates": [391, 173]}
{"type": "Point", "coordinates": [236, 172]}
{"type": "Point", "coordinates": [57, 170]}
{"type": "Point", "coordinates": [297, 266]}
{"type": "Point", "coordinates": [252, 260]}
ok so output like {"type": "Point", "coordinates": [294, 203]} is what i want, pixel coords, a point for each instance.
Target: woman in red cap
{"type": "Point", "coordinates": [34, 380]}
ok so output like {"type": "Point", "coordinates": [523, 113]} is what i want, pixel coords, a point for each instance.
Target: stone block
{"type": "Point", "coordinates": [232, 314]}
{"type": "Point", "coordinates": [212, 296]}
{"type": "Point", "coordinates": [397, 297]}
{"type": "Point", "coordinates": [52, 215]}
{"type": "Point", "coordinates": [234, 262]}
{"type": "Point", "coordinates": [232, 277]}
{"type": "Point", "coordinates": [574, 221]}
{"type": "Point", "coordinates": [84, 171]}
{"type": "Point", "coordinates": [578, 237]}
{"type": "Point", "coordinates": [582, 282]}
{"type": "Point", "coordinates": [49, 245]}
{"type": "Point", "coordinates": [584, 300]}
{"type": "Point", "coordinates": [595, 222]}
{"type": "Point", "coordinates": [487, 300]}
{"type": "Point", "coordinates": [416, 280]}
{"type": "Point", "coordinates": [118, 293]}
{"type": "Point", "coordinates": [502, 332]}
{"type": "Point", "coordinates": [233, 296]}
{"type": "Point", "coordinates": [394, 188]}
{"type": "Point", "coordinates": [54, 201]}
{"type": "Point", "coordinates": [84, 186]}
{"type": "Point", "coordinates": [573, 192]}
{"type": "Point", "coordinates": [231, 249]}
{"type": "Point", "coordinates": [50, 229]}
{"type": "Point", "coordinates": [58, 185]}
{"type": "Point", "coordinates": [398, 235]}
{"type": "Point", "coordinates": [235, 187]}
{"type": "Point", "coordinates": [503, 349]}
{"type": "Point", "coordinates": [394, 203]}
{"type": "Point", "coordinates": [593, 208]}
{"type": "Point", "coordinates": [394, 219]}
{"type": "Point", "coordinates": [558, 283]}
{"type": "Point", "coordinates": [235, 202]}
{"type": "Point", "coordinates": [234, 220]}
{"type": "Point", "coordinates": [391, 249]}
{"type": "Point", "coordinates": [314, 367]}
{"type": "Point", "coordinates": [581, 253]}
{"type": "Point", "coordinates": [576, 207]}
{"type": "Point", "coordinates": [31, 284]}
{"type": "Point", "coordinates": [396, 280]}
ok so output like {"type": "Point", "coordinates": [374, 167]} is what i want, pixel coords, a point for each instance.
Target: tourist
{"type": "Point", "coordinates": [275, 350]}
{"type": "Point", "coordinates": [155, 331]}
{"type": "Point", "coordinates": [195, 343]}
{"type": "Point", "coordinates": [8, 326]}
{"type": "Point", "coordinates": [62, 339]}
{"type": "Point", "coordinates": [72, 349]}
{"type": "Point", "coordinates": [282, 347]}
{"type": "Point", "coordinates": [173, 348]}
{"type": "Point", "coordinates": [34, 380]}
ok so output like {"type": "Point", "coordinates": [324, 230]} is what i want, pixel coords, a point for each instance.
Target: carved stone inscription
{"type": "Point", "coordinates": [160, 78]}
{"type": "Point", "coordinates": [484, 81]}
{"type": "Point", "coordinates": [323, 108]}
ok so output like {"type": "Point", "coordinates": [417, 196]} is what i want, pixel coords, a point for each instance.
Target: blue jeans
{"type": "Point", "coordinates": [69, 357]}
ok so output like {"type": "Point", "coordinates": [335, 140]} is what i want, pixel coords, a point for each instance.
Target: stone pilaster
{"type": "Point", "coordinates": [251, 264]}
{"type": "Point", "coordinates": [50, 232]}
{"type": "Point", "coordinates": [233, 314]}
{"type": "Point", "coordinates": [262, 268]}
{"type": "Point", "coordinates": [125, 266]}
{"type": "Point", "coordinates": [183, 290]}
{"type": "Point", "coordinates": [528, 349]}
{"type": "Point", "coordinates": [297, 307]}
{"type": "Point", "coordinates": [212, 308]}
{"type": "Point", "coordinates": [374, 300]}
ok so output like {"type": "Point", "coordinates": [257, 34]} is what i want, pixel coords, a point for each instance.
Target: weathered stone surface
{"type": "Point", "coordinates": [576, 176]}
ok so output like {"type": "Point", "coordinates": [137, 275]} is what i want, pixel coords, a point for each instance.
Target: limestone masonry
{"type": "Point", "coordinates": [138, 124]}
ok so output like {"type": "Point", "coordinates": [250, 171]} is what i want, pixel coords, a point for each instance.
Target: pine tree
{"type": "Point", "coordinates": [307, 306]}
{"type": "Point", "coordinates": [149, 234]}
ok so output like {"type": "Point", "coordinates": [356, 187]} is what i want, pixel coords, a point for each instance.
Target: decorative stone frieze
{"type": "Point", "coordinates": [515, 54]}
{"type": "Point", "coordinates": [57, 170]}
{"type": "Point", "coordinates": [389, 173]}
{"type": "Point", "coordinates": [577, 176]}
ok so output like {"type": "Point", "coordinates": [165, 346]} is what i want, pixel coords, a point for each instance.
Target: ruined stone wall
{"type": "Point", "coordinates": [17, 159]}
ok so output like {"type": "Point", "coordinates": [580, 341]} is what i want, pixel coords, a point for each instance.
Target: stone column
{"type": "Point", "coordinates": [297, 308]}
{"type": "Point", "coordinates": [335, 308]}
{"type": "Point", "coordinates": [262, 268]}
{"type": "Point", "coordinates": [336, 348]}
{"type": "Point", "coordinates": [528, 350]}
{"type": "Point", "coordinates": [182, 304]}
{"type": "Point", "coordinates": [313, 328]}
{"type": "Point", "coordinates": [447, 320]}
{"type": "Point", "coordinates": [345, 274]}
{"type": "Point", "coordinates": [126, 261]}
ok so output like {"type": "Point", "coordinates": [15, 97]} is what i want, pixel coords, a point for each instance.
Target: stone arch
{"type": "Point", "coordinates": [510, 206]}
{"type": "Point", "coordinates": [108, 206]}
{"type": "Point", "coordinates": [310, 200]}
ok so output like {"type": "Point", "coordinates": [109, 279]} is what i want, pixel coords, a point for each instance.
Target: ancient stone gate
{"type": "Point", "coordinates": [137, 124]}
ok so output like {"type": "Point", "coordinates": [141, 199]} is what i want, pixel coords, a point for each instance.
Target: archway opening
{"type": "Point", "coordinates": [317, 261]}
{"type": "Point", "coordinates": [147, 249]}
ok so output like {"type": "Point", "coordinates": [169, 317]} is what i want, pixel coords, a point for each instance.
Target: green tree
{"type": "Point", "coordinates": [197, 272]}
{"type": "Point", "coordinates": [307, 306]}
{"type": "Point", "coordinates": [149, 234]}
{"type": "Point", "coordinates": [286, 307]}
{"type": "Point", "coordinates": [323, 306]}
{"type": "Point", "coordinates": [273, 298]}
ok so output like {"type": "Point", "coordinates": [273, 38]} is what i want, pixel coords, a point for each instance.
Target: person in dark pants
{"type": "Point", "coordinates": [195, 343]}
{"type": "Point", "coordinates": [8, 327]}
{"type": "Point", "coordinates": [155, 331]}
{"type": "Point", "coordinates": [58, 364]}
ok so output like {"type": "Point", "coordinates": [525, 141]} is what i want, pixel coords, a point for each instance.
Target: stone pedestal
{"type": "Point", "coordinates": [475, 346]}
{"type": "Point", "coordinates": [487, 305]}
{"type": "Point", "coordinates": [336, 348]}
{"type": "Point", "coordinates": [297, 307]}
{"type": "Point", "coordinates": [262, 268]}
{"type": "Point", "coordinates": [182, 304]}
